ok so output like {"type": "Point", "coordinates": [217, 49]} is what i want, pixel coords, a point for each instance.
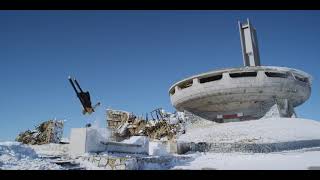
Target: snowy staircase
{"type": "Point", "coordinates": [67, 164]}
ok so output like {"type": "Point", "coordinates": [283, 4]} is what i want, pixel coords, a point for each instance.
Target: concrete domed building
{"type": "Point", "coordinates": [243, 93]}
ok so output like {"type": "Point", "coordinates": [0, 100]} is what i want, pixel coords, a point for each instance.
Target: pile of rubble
{"type": "Point", "coordinates": [162, 129]}
{"type": "Point", "coordinates": [47, 132]}
{"type": "Point", "coordinates": [124, 125]}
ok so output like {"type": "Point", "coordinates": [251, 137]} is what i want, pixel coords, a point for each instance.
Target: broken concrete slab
{"type": "Point", "coordinates": [136, 144]}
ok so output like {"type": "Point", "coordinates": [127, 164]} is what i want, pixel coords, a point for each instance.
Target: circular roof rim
{"type": "Point", "coordinates": [277, 68]}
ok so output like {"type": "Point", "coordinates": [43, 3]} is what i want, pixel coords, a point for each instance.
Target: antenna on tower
{"type": "Point", "coordinates": [249, 44]}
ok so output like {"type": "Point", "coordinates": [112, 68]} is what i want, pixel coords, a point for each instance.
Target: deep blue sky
{"type": "Point", "coordinates": [129, 59]}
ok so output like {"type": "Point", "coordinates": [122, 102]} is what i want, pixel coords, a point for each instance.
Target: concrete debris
{"type": "Point", "coordinates": [135, 144]}
{"type": "Point", "coordinates": [124, 125]}
{"type": "Point", "coordinates": [162, 129]}
{"type": "Point", "coordinates": [47, 132]}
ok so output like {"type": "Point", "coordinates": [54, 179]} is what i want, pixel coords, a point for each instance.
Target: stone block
{"type": "Point", "coordinates": [103, 162]}
{"type": "Point", "coordinates": [120, 167]}
{"type": "Point", "coordinates": [97, 158]}
{"type": "Point", "coordinates": [77, 141]}
{"type": "Point", "coordinates": [117, 162]}
{"type": "Point", "coordinates": [136, 144]}
{"type": "Point", "coordinates": [91, 159]}
{"type": "Point", "coordinates": [96, 162]}
{"type": "Point", "coordinates": [131, 164]}
{"type": "Point", "coordinates": [108, 167]}
{"type": "Point", "coordinates": [83, 140]}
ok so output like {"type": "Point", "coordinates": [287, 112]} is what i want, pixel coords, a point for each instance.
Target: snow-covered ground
{"type": "Point", "coordinates": [51, 149]}
{"type": "Point", "coordinates": [271, 130]}
{"type": "Point", "coordinates": [14, 155]}
{"type": "Point", "coordinates": [289, 160]}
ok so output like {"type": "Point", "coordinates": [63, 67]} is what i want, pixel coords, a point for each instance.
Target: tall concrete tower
{"type": "Point", "coordinates": [249, 44]}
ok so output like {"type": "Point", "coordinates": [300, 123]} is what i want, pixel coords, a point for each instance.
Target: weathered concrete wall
{"type": "Point", "coordinates": [115, 118]}
{"type": "Point", "coordinates": [84, 140]}
{"type": "Point", "coordinates": [91, 140]}
{"type": "Point", "coordinates": [112, 163]}
{"type": "Point", "coordinates": [160, 162]}
{"type": "Point", "coordinates": [136, 144]}
{"type": "Point", "coordinates": [135, 162]}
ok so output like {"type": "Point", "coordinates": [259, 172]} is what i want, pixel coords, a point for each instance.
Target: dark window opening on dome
{"type": "Point", "coordinates": [276, 74]}
{"type": "Point", "coordinates": [211, 78]}
{"type": "Point", "coordinates": [186, 84]}
{"type": "Point", "coordinates": [243, 74]}
{"type": "Point", "coordinates": [302, 79]}
{"type": "Point", "coordinates": [172, 91]}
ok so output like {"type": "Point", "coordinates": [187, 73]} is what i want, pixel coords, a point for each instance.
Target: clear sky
{"type": "Point", "coordinates": [129, 59]}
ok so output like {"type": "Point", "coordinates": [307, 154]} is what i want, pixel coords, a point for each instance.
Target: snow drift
{"type": "Point", "coordinates": [15, 156]}
{"type": "Point", "coordinates": [264, 135]}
